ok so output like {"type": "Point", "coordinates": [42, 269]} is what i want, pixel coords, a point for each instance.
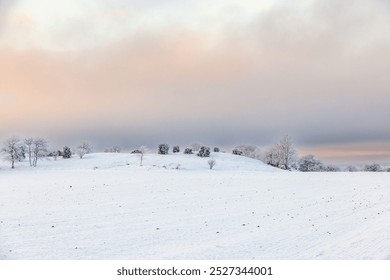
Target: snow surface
{"type": "Point", "coordinates": [105, 206]}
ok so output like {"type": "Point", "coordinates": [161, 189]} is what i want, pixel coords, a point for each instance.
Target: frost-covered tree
{"type": "Point", "coordinates": [351, 168]}
{"type": "Point", "coordinates": [116, 149]}
{"type": "Point", "coordinates": [271, 156]}
{"type": "Point", "coordinates": [83, 149]}
{"type": "Point", "coordinates": [216, 150]}
{"type": "Point", "coordinates": [374, 167]}
{"type": "Point", "coordinates": [331, 168]}
{"type": "Point", "coordinates": [188, 151]}
{"type": "Point", "coordinates": [28, 142]}
{"type": "Point", "coordinates": [176, 149]}
{"type": "Point", "coordinates": [204, 152]}
{"type": "Point", "coordinates": [13, 150]}
{"type": "Point", "coordinates": [80, 152]}
{"type": "Point", "coordinates": [309, 164]}
{"type": "Point", "coordinates": [67, 153]}
{"type": "Point", "coordinates": [212, 163]}
{"type": "Point", "coordinates": [23, 152]}
{"type": "Point", "coordinates": [55, 154]}
{"type": "Point", "coordinates": [143, 150]}
{"type": "Point", "coordinates": [113, 149]}
{"type": "Point", "coordinates": [286, 153]}
{"type": "Point", "coordinates": [39, 149]}
{"type": "Point", "coordinates": [163, 149]}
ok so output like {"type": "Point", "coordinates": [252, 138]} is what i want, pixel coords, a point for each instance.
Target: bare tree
{"type": "Point", "coordinates": [83, 149]}
{"type": "Point", "coordinates": [143, 150]}
{"type": "Point", "coordinates": [29, 142]}
{"type": "Point", "coordinates": [286, 153]}
{"type": "Point", "coordinates": [39, 149]}
{"type": "Point", "coordinates": [282, 154]}
{"type": "Point", "coordinates": [13, 150]}
{"type": "Point", "coordinates": [211, 163]}
{"type": "Point", "coordinates": [116, 149]}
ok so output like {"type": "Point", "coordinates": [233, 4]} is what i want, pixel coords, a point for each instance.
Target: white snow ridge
{"type": "Point", "coordinates": [106, 206]}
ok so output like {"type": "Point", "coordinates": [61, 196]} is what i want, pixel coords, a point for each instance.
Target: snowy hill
{"type": "Point", "coordinates": [106, 206]}
{"type": "Point", "coordinates": [120, 161]}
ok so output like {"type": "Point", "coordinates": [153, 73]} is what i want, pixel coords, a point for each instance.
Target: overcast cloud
{"type": "Point", "coordinates": [226, 73]}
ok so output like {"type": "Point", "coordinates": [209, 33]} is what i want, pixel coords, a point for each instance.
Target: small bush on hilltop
{"type": "Point", "coordinates": [67, 153]}
{"type": "Point", "coordinates": [163, 149]}
{"type": "Point", "coordinates": [204, 152]}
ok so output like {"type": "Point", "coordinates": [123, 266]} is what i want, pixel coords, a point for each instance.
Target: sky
{"type": "Point", "coordinates": [222, 72]}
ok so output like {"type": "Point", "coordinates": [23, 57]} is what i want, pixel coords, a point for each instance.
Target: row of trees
{"type": "Point", "coordinates": [310, 163]}
{"type": "Point", "coordinates": [283, 155]}
{"type": "Point", "coordinates": [203, 151]}
{"type": "Point", "coordinates": [16, 150]}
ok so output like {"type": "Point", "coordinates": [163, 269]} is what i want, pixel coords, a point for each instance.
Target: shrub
{"type": "Point", "coordinates": [204, 152]}
{"type": "Point", "coordinates": [188, 151]}
{"type": "Point", "coordinates": [331, 168]}
{"type": "Point", "coordinates": [351, 168]}
{"type": "Point", "coordinates": [67, 153]}
{"type": "Point", "coordinates": [176, 149]}
{"type": "Point", "coordinates": [211, 163]}
{"type": "Point", "coordinates": [54, 154]}
{"type": "Point", "coordinates": [216, 150]}
{"type": "Point", "coordinates": [114, 149]}
{"type": "Point", "coordinates": [136, 152]}
{"type": "Point", "coordinates": [237, 152]}
{"type": "Point", "coordinates": [375, 167]}
{"type": "Point", "coordinates": [310, 164]}
{"type": "Point", "coordinates": [163, 149]}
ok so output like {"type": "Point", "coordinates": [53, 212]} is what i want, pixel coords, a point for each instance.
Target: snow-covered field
{"type": "Point", "coordinates": [106, 206]}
